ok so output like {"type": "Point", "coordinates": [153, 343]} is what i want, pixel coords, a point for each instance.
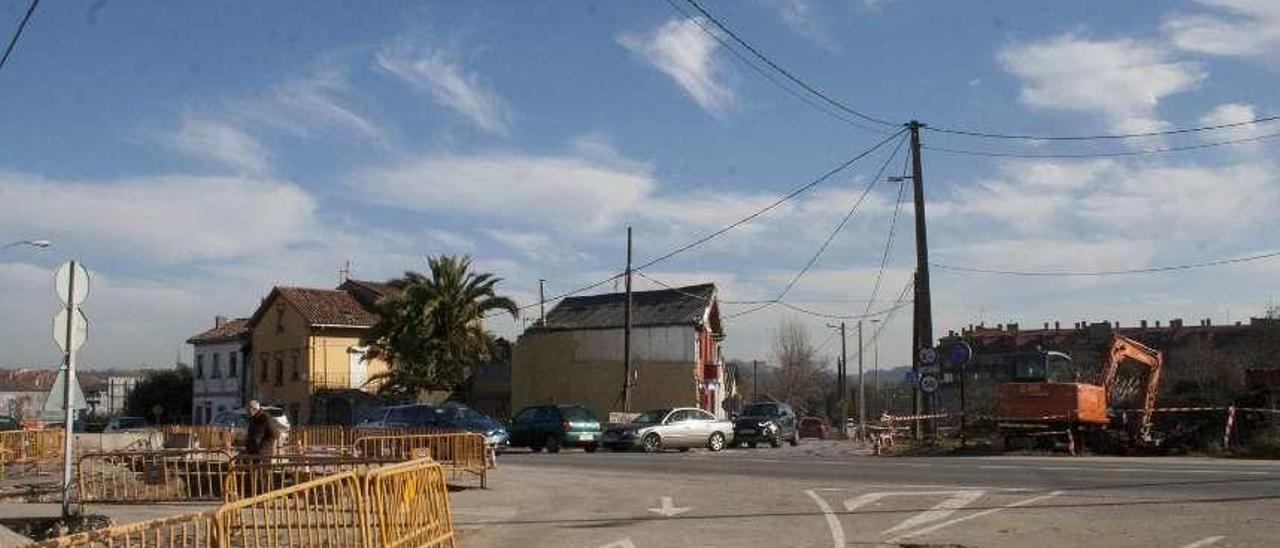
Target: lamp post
{"type": "Point", "coordinates": [38, 244]}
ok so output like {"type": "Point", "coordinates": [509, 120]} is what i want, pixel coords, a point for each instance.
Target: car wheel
{"type": "Point", "coordinates": [716, 442]}
{"type": "Point", "coordinates": [590, 447]}
{"type": "Point", "coordinates": [751, 444]}
{"type": "Point", "coordinates": [775, 441]}
{"type": "Point", "coordinates": [652, 443]}
{"type": "Point", "coordinates": [552, 444]}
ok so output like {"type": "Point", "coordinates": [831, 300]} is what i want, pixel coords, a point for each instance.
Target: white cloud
{"type": "Point", "coordinates": [1123, 80]}
{"type": "Point", "coordinates": [1241, 28]}
{"type": "Point", "coordinates": [799, 16]}
{"type": "Point", "coordinates": [528, 243]}
{"type": "Point", "coordinates": [313, 103]}
{"type": "Point", "coordinates": [170, 219]}
{"type": "Point", "coordinates": [563, 191]}
{"type": "Point", "coordinates": [438, 72]}
{"type": "Point", "coordinates": [221, 142]}
{"type": "Point", "coordinates": [682, 50]}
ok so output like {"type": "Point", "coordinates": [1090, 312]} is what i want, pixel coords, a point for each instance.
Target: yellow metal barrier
{"type": "Point", "coordinates": [207, 436]}
{"type": "Point", "coordinates": [152, 476]}
{"type": "Point", "coordinates": [458, 452]}
{"type": "Point", "coordinates": [329, 511]}
{"type": "Point", "coordinates": [410, 505]}
{"type": "Point", "coordinates": [186, 531]}
{"type": "Point", "coordinates": [30, 445]}
{"type": "Point", "coordinates": [248, 476]}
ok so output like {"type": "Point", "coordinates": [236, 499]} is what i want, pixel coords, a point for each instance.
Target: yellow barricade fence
{"type": "Point", "coordinates": [30, 445]}
{"type": "Point", "coordinates": [249, 476]}
{"type": "Point", "coordinates": [329, 511]}
{"type": "Point", "coordinates": [207, 435]}
{"type": "Point", "coordinates": [152, 476]}
{"type": "Point", "coordinates": [458, 452]}
{"type": "Point", "coordinates": [186, 531]}
{"type": "Point", "coordinates": [410, 505]}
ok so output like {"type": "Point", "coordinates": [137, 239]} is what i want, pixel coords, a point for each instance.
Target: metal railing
{"type": "Point", "coordinates": [458, 452]}
{"type": "Point", "coordinates": [248, 476]}
{"type": "Point", "coordinates": [185, 531]}
{"type": "Point", "coordinates": [207, 436]}
{"type": "Point", "coordinates": [328, 511]}
{"type": "Point", "coordinates": [152, 476]}
{"type": "Point", "coordinates": [409, 505]}
{"type": "Point", "coordinates": [30, 445]}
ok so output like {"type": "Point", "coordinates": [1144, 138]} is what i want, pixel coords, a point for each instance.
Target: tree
{"type": "Point", "coordinates": [798, 380]}
{"type": "Point", "coordinates": [431, 330]}
{"type": "Point", "coordinates": [162, 396]}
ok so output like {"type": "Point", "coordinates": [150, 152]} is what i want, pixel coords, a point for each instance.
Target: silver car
{"type": "Point", "coordinates": [680, 428]}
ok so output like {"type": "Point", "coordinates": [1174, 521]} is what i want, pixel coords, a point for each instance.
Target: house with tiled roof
{"type": "Point", "coordinates": [306, 351]}
{"type": "Point", "coordinates": [576, 354]}
{"type": "Point", "coordinates": [219, 376]}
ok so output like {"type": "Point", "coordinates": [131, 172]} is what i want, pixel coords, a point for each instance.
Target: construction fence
{"type": "Point", "coordinates": [22, 446]}
{"type": "Point", "coordinates": [458, 453]}
{"type": "Point", "coordinates": [400, 505]}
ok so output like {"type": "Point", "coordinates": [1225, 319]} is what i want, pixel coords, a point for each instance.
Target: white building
{"type": "Point", "coordinates": [219, 372]}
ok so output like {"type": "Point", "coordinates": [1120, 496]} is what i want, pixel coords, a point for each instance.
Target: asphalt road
{"type": "Point", "coordinates": [825, 494]}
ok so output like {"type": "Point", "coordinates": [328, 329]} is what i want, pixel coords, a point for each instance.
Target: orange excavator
{"type": "Point", "coordinates": [1032, 401]}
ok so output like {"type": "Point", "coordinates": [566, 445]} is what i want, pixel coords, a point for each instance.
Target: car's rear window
{"type": "Point", "coordinates": [580, 414]}
{"type": "Point", "coordinates": [761, 410]}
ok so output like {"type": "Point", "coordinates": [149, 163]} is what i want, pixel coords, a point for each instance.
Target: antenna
{"type": "Point", "coordinates": [344, 273]}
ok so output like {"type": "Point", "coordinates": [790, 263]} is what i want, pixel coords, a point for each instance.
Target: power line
{"type": "Point", "coordinates": [18, 33]}
{"type": "Point", "coordinates": [584, 288]}
{"type": "Point", "coordinates": [862, 316]}
{"type": "Point", "coordinates": [830, 237]}
{"type": "Point", "coordinates": [1094, 273]}
{"type": "Point", "coordinates": [670, 287]}
{"type": "Point", "coordinates": [784, 72]}
{"type": "Point", "coordinates": [1111, 136]}
{"type": "Point", "coordinates": [996, 154]}
{"type": "Point", "coordinates": [798, 191]}
{"type": "Point", "coordinates": [888, 243]}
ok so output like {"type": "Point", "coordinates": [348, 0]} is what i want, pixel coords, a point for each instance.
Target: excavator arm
{"type": "Point", "coordinates": [1122, 348]}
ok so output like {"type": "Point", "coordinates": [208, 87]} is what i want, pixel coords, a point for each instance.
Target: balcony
{"type": "Point", "coordinates": [340, 381]}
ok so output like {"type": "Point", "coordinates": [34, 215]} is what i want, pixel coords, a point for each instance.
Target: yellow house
{"type": "Point", "coordinates": [307, 356]}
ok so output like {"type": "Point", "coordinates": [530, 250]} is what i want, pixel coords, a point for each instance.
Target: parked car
{"type": "Point", "coordinates": [239, 418]}
{"type": "Point", "coordinates": [551, 427]}
{"type": "Point", "coordinates": [417, 415]}
{"type": "Point", "coordinates": [125, 424]}
{"type": "Point", "coordinates": [814, 427]}
{"type": "Point", "coordinates": [9, 423]}
{"type": "Point", "coordinates": [766, 422]}
{"type": "Point", "coordinates": [681, 428]}
{"type": "Point", "coordinates": [459, 417]}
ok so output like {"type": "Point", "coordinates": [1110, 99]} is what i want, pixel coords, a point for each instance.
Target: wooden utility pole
{"type": "Point", "coordinates": [842, 382]}
{"type": "Point", "coordinates": [626, 336]}
{"type": "Point", "coordinates": [542, 301]}
{"type": "Point", "coordinates": [755, 380]}
{"type": "Point", "coordinates": [862, 394]}
{"type": "Point", "coordinates": [922, 327]}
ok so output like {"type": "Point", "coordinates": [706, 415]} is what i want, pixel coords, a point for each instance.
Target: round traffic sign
{"type": "Point", "coordinates": [928, 355]}
{"type": "Point", "coordinates": [62, 283]}
{"type": "Point", "coordinates": [960, 353]}
{"type": "Point", "coordinates": [928, 384]}
{"type": "Point", "coordinates": [79, 330]}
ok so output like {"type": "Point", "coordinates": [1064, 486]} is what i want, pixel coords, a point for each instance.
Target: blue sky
{"type": "Point", "coordinates": [195, 154]}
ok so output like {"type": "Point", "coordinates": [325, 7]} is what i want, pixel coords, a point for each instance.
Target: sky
{"type": "Point", "coordinates": [195, 154]}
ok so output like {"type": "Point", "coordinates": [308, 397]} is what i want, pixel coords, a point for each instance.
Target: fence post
{"type": "Point", "coordinates": [1231, 423]}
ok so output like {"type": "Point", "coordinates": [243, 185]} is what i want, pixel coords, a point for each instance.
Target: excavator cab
{"type": "Point", "coordinates": [1040, 366]}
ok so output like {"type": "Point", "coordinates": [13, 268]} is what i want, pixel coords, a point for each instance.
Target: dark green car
{"type": "Point", "coordinates": [555, 426]}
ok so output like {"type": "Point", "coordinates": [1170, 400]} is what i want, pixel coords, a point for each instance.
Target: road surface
{"type": "Point", "coordinates": [825, 494]}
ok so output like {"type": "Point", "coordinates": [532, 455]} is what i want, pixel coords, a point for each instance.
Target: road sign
{"type": "Point", "coordinates": [928, 384]}
{"type": "Point", "coordinates": [62, 281]}
{"type": "Point", "coordinates": [930, 369]}
{"type": "Point", "coordinates": [928, 355]}
{"type": "Point", "coordinates": [913, 378]}
{"type": "Point", "coordinates": [79, 330]}
{"type": "Point", "coordinates": [960, 353]}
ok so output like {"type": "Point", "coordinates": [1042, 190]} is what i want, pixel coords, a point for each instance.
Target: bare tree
{"type": "Point", "coordinates": [798, 380]}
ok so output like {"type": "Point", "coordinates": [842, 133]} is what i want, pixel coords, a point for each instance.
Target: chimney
{"type": "Point", "coordinates": [1175, 323]}
{"type": "Point", "coordinates": [1208, 322]}
{"type": "Point", "coordinates": [999, 327]}
{"type": "Point", "coordinates": [219, 321]}
{"type": "Point", "coordinates": [1157, 323]}
{"type": "Point", "coordinates": [1143, 323]}
{"type": "Point", "coordinates": [1013, 327]}
{"type": "Point", "coordinates": [1046, 326]}
{"type": "Point", "coordinates": [1116, 324]}
{"type": "Point", "coordinates": [1056, 326]}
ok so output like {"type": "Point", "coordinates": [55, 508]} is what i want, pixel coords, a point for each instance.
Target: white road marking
{"type": "Point", "coordinates": [668, 508]}
{"type": "Point", "coordinates": [939, 512]}
{"type": "Point", "coordinates": [833, 523]}
{"type": "Point", "coordinates": [624, 543]}
{"type": "Point", "coordinates": [1207, 541]}
{"type": "Point", "coordinates": [1125, 470]}
{"type": "Point", "coordinates": [976, 515]}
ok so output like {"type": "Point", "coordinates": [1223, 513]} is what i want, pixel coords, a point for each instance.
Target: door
{"type": "Point", "coordinates": [357, 366]}
{"type": "Point", "coordinates": [700, 427]}
{"type": "Point", "coordinates": [521, 427]}
{"type": "Point", "coordinates": [679, 431]}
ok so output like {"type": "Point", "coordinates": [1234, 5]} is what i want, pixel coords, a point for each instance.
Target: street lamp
{"type": "Point", "coordinates": [39, 244]}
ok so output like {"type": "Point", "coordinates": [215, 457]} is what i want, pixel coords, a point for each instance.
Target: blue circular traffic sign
{"type": "Point", "coordinates": [960, 353]}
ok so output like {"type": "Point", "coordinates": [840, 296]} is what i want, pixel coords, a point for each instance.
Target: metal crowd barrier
{"type": "Point", "coordinates": [458, 452]}
{"type": "Point", "coordinates": [328, 511]}
{"type": "Point", "coordinates": [186, 531]}
{"type": "Point", "coordinates": [207, 436]}
{"type": "Point", "coordinates": [409, 505]}
{"type": "Point", "coordinates": [152, 476]}
{"type": "Point", "coordinates": [30, 445]}
{"type": "Point", "coordinates": [250, 476]}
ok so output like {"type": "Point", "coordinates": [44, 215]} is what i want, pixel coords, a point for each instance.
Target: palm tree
{"type": "Point", "coordinates": [431, 330]}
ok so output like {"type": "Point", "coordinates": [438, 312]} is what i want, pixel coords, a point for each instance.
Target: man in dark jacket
{"type": "Point", "coordinates": [263, 432]}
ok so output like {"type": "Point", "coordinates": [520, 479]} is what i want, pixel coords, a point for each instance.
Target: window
{"type": "Point", "coordinates": [199, 418]}
{"type": "Point", "coordinates": [294, 374]}
{"type": "Point", "coordinates": [683, 415]}
{"type": "Point", "coordinates": [279, 371]}
{"type": "Point", "coordinates": [199, 366]}
{"type": "Point", "coordinates": [263, 375]}
{"type": "Point", "coordinates": [232, 358]}
{"type": "Point", "coordinates": [216, 371]}
{"type": "Point", "coordinates": [280, 318]}
{"type": "Point", "coordinates": [527, 415]}
{"type": "Point", "coordinates": [703, 416]}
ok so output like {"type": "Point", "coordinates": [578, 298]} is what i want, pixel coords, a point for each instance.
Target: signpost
{"type": "Point", "coordinates": [960, 354]}
{"type": "Point", "coordinates": [70, 329]}
{"type": "Point", "coordinates": [928, 384]}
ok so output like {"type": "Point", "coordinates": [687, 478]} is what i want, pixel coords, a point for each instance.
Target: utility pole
{"type": "Point", "coordinates": [922, 327]}
{"type": "Point", "coordinates": [875, 364]}
{"type": "Point", "coordinates": [862, 394]}
{"type": "Point", "coordinates": [841, 385]}
{"type": "Point", "coordinates": [755, 380]}
{"type": "Point", "coordinates": [542, 301]}
{"type": "Point", "coordinates": [626, 336]}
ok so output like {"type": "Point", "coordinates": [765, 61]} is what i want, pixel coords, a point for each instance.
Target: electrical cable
{"type": "Point", "coordinates": [18, 33]}
{"type": "Point", "coordinates": [996, 154]}
{"type": "Point", "coordinates": [1097, 273]}
{"type": "Point", "coordinates": [888, 243]}
{"type": "Point", "coordinates": [1111, 136]}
